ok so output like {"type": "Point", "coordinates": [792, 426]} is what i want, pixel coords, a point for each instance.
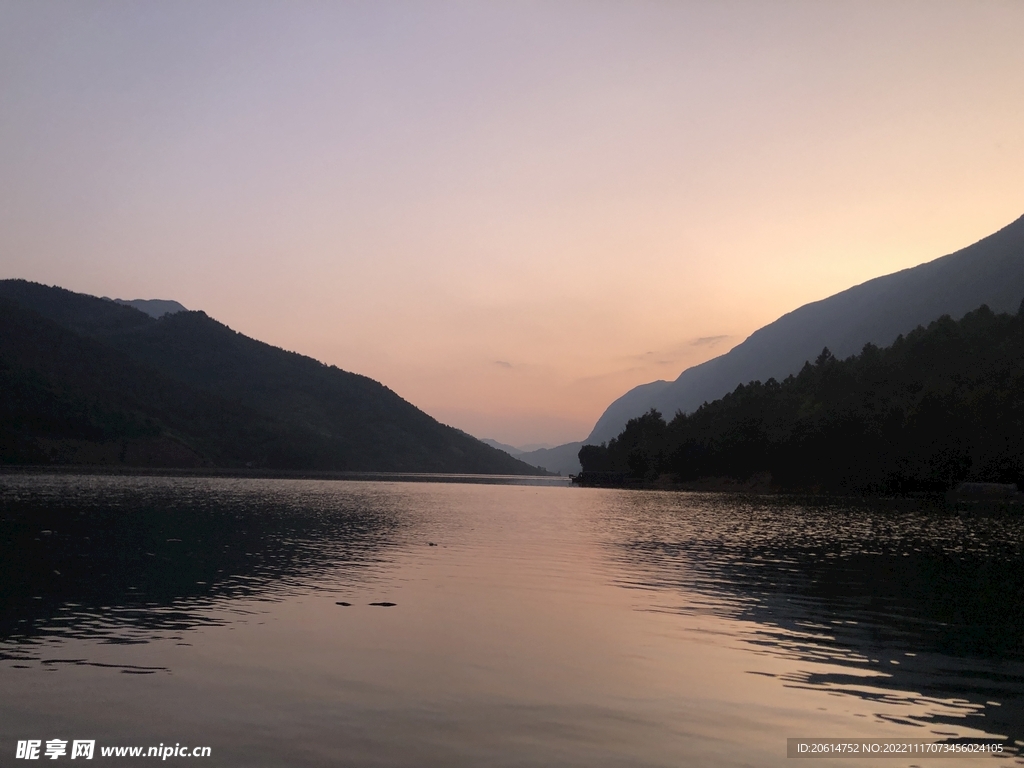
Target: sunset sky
{"type": "Point", "coordinates": [509, 213]}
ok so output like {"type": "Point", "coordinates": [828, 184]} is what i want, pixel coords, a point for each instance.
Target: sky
{"type": "Point", "coordinates": [508, 213]}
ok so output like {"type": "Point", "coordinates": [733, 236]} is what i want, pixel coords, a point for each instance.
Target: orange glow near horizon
{"type": "Point", "coordinates": [510, 214]}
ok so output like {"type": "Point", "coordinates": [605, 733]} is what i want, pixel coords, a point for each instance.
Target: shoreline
{"type": "Point", "coordinates": [965, 496]}
{"type": "Point", "coordinates": [248, 473]}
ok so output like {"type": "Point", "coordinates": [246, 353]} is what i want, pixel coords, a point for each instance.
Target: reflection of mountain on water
{"type": "Point", "coordinates": [923, 607]}
{"type": "Point", "coordinates": [130, 559]}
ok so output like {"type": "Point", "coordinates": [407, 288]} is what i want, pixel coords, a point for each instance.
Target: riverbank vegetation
{"type": "Point", "coordinates": [940, 406]}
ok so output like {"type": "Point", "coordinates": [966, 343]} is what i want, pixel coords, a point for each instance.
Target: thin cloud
{"type": "Point", "coordinates": [707, 341]}
{"type": "Point", "coordinates": [503, 363]}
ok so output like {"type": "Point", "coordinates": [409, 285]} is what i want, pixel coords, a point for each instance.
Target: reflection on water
{"type": "Point", "coordinates": [917, 608]}
{"type": "Point", "coordinates": [122, 559]}
{"type": "Point", "coordinates": [527, 624]}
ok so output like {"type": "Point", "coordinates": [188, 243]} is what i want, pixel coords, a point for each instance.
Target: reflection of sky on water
{"type": "Point", "coordinates": [513, 626]}
{"type": "Point", "coordinates": [919, 612]}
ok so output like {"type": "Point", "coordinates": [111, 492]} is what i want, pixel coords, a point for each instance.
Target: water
{"type": "Point", "coordinates": [547, 626]}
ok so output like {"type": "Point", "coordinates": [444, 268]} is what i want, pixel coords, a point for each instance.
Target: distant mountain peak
{"type": "Point", "coordinates": [511, 450]}
{"type": "Point", "coordinates": [155, 308]}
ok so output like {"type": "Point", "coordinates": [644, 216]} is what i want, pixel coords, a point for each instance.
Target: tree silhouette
{"type": "Point", "coordinates": [941, 405]}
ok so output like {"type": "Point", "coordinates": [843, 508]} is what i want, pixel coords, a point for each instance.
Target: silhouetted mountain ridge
{"type": "Point", "coordinates": [511, 450]}
{"type": "Point", "coordinates": [943, 405]}
{"type": "Point", "coordinates": [989, 272]}
{"type": "Point", "coordinates": [211, 395]}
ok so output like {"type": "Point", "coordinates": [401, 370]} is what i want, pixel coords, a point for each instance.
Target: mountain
{"type": "Point", "coordinates": [156, 308]}
{"type": "Point", "coordinates": [534, 447]}
{"type": "Point", "coordinates": [88, 380]}
{"type": "Point", "coordinates": [68, 399]}
{"type": "Point", "coordinates": [563, 459]}
{"type": "Point", "coordinates": [940, 406]}
{"type": "Point", "coordinates": [511, 450]}
{"type": "Point", "coordinates": [989, 272]}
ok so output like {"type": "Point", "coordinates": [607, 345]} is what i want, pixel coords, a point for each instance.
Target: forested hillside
{"type": "Point", "coordinates": [990, 272]}
{"type": "Point", "coordinates": [87, 380]}
{"type": "Point", "coordinates": [942, 405]}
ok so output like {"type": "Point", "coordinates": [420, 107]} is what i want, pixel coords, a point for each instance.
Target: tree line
{"type": "Point", "coordinates": [941, 405]}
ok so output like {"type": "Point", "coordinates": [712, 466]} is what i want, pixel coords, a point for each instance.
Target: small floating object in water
{"type": "Point", "coordinates": [384, 605]}
{"type": "Point", "coordinates": [431, 544]}
{"type": "Point", "coordinates": [345, 604]}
